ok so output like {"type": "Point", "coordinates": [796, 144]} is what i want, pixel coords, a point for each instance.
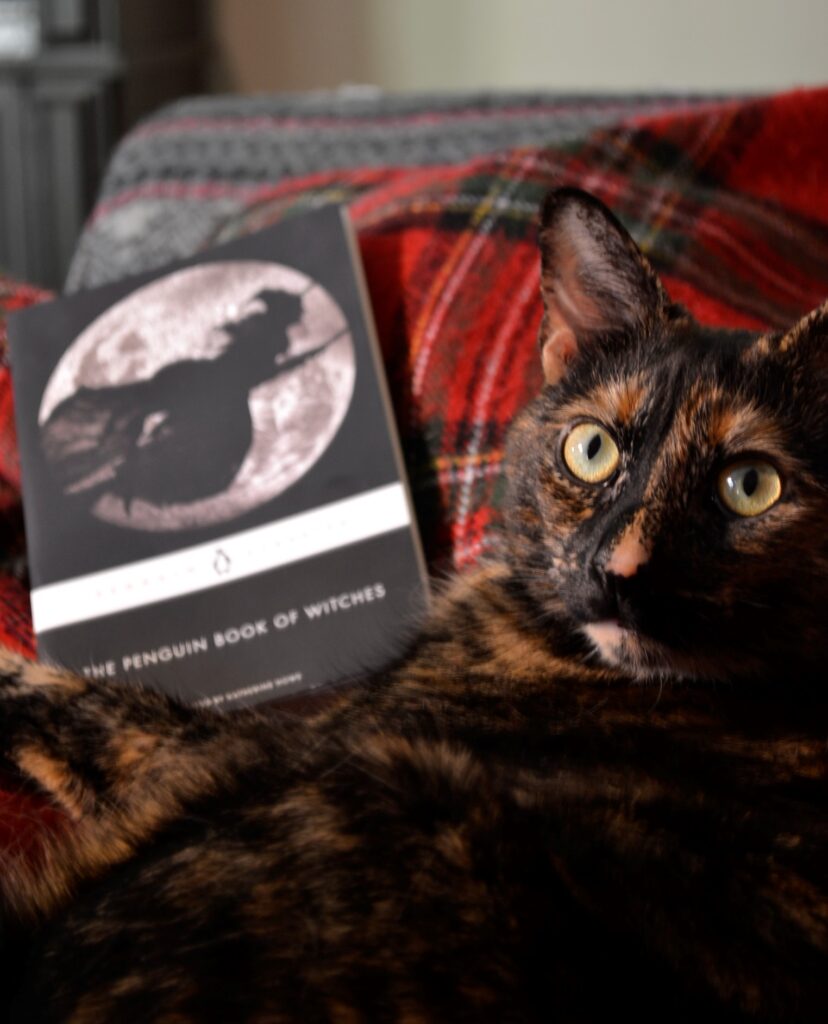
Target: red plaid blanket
{"type": "Point", "coordinates": [729, 201]}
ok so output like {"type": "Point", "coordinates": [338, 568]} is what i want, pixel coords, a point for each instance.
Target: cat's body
{"type": "Point", "coordinates": [597, 785]}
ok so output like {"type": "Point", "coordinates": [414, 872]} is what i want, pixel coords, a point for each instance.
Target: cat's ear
{"type": "Point", "coordinates": [806, 341]}
{"type": "Point", "coordinates": [594, 279]}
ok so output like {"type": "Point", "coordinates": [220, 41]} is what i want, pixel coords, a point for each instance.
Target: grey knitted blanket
{"type": "Point", "coordinates": [178, 176]}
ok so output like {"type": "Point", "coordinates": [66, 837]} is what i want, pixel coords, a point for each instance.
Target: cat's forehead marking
{"type": "Point", "coordinates": [723, 421]}
{"type": "Point", "coordinates": [617, 401]}
{"type": "Point", "coordinates": [624, 398]}
{"type": "Point", "coordinates": [748, 427]}
{"type": "Point", "coordinates": [709, 423]}
{"type": "Point", "coordinates": [712, 418]}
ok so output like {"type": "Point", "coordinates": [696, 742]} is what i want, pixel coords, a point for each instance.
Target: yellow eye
{"type": "Point", "coordinates": [749, 488]}
{"type": "Point", "coordinates": [590, 453]}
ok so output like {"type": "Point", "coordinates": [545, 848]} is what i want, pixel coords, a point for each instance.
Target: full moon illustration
{"type": "Point", "coordinates": [190, 317]}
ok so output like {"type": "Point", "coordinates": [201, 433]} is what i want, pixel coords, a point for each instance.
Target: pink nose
{"type": "Point", "coordinates": [628, 555]}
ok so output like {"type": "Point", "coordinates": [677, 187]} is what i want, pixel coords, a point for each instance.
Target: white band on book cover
{"type": "Point", "coordinates": [231, 558]}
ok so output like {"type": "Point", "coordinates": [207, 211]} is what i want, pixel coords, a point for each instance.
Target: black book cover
{"type": "Point", "coordinates": [214, 497]}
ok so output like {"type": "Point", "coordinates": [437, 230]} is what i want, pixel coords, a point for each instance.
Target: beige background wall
{"type": "Point", "coordinates": [574, 44]}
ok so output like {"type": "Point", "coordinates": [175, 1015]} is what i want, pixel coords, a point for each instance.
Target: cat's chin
{"type": "Point", "coordinates": [630, 651]}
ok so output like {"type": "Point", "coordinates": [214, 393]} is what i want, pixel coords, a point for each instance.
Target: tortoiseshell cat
{"type": "Point", "coordinates": [596, 785]}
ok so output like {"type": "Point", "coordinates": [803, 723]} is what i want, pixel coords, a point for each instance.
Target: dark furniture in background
{"type": "Point", "coordinates": [100, 66]}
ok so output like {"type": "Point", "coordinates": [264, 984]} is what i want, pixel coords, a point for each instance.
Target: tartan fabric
{"type": "Point", "coordinates": [22, 815]}
{"type": "Point", "coordinates": [15, 619]}
{"type": "Point", "coordinates": [727, 199]}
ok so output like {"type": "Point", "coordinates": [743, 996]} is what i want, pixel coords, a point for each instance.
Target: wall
{"type": "Point", "coordinates": [267, 45]}
{"type": "Point", "coordinates": [580, 44]}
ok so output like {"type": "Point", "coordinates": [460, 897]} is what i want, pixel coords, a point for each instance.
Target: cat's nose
{"type": "Point", "coordinates": [629, 551]}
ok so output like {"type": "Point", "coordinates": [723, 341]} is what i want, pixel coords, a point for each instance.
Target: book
{"type": "Point", "coordinates": [214, 496]}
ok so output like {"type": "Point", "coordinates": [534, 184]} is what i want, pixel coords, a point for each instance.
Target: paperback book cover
{"type": "Point", "coordinates": [214, 498]}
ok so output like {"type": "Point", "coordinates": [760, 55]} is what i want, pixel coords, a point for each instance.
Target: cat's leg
{"type": "Point", "coordinates": [119, 761]}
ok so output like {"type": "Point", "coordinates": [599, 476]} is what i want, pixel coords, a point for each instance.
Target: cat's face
{"type": "Point", "coordinates": [669, 488]}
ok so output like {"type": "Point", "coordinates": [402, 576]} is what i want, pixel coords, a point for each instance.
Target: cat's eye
{"type": "Point", "coordinates": [749, 488]}
{"type": "Point", "coordinates": [590, 453]}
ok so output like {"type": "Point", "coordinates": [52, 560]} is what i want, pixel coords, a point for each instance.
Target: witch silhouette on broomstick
{"type": "Point", "coordinates": [182, 434]}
